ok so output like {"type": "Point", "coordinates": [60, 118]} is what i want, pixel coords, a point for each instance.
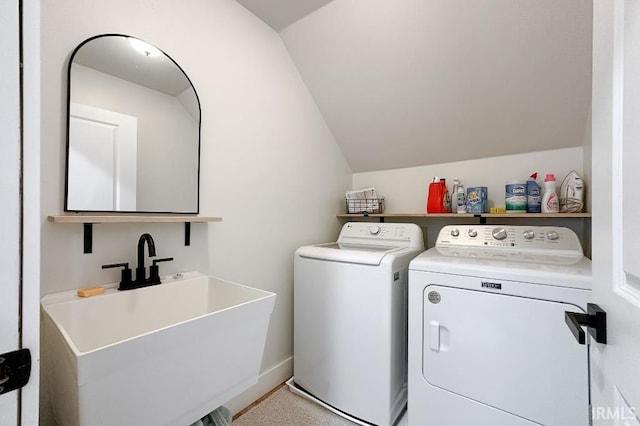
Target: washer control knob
{"type": "Point", "coordinates": [455, 232]}
{"type": "Point", "coordinates": [499, 233]}
{"type": "Point", "coordinates": [374, 230]}
{"type": "Point", "coordinates": [552, 235]}
{"type": "Point", "coordinates": [472, 233]}
{"type": "Point", "coordinates": [528, 234]}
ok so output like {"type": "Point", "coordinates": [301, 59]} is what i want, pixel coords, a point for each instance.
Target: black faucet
{"type": "Point", "coordinates": [140, 270]}
{"type": "Point", "coordinates": [141, 280]}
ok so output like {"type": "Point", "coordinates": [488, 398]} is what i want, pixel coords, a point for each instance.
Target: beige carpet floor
{"type": "Point", "coordinates": [284, 408]}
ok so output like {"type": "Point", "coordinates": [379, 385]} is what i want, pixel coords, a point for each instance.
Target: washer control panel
{"type": "Point", "coordinates": [388, 234]}
{"type": "Point", "coordinates": [521, 238]}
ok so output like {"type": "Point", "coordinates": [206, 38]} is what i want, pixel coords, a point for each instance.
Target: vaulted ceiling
{"type": "Point", "coordinates": [280, 13]}
{"type": "Point", "coordinates": [413, 82]}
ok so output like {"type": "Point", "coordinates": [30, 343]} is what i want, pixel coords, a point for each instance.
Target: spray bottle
{"type": "Point", "coordinates": [534, 194]}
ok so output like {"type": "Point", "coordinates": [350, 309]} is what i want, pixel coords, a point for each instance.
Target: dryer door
{"type": "Point", "coordinates": [511, 353]}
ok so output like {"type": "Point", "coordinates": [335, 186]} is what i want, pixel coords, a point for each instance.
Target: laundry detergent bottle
{"type": "Point", "coordinates": [446, 197]}
{"type": "Point", "coordinates": [461, 201]}
{"type": "Point", "coordinates": [435, 197]}
{"type": "Point", "coordinates": [550, 202]}
{"type": "Point", "coordinates": [454, 195]}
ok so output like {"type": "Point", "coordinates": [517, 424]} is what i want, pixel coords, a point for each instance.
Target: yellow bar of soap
{"type": "Point", "coordinates": [90, 291]}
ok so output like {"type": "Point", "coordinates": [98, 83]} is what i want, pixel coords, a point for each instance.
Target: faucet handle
{"type": "Point", "coordinates": [116, 265]}
{"type": "Point", "coordinates": [154, 270]}
{"type": "Point", "coordinates": [125, 276]}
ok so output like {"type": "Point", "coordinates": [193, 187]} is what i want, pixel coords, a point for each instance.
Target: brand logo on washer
{"type": "Point", "coordinates": [434, 297]}
{"type": "Point", "coordinates": [489, 284]}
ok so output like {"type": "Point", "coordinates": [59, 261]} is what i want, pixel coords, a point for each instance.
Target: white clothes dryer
{"type": "Point", "coordinates": [488, 343]}
{"type": "Point", "coordinates": [350, 320]}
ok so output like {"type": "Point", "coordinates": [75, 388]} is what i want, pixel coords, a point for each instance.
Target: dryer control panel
{"type": "Point", "coordinates": [530, 239]}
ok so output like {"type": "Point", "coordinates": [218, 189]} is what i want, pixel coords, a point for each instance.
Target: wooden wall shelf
{"type": "Point", "coordinates": [482, 217]}
{"type": "Point", "coordinates": [81, 218]}
{"type": "Point", "coordinates": [89, 220]}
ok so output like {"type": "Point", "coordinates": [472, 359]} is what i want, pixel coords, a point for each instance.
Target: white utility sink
{"type": "Point", "coordinates": [161, 355]}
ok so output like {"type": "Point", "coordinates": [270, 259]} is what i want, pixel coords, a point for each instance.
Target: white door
{"type": "Point", "coordinates": [615, 367]}
{"type": "Point", "coordinates": [9, 196]}
{"type": "Point", "coordinates": [102, 160]}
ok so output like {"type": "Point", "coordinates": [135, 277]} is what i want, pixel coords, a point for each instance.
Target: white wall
{"type": "Point", "coordinates": [167, 161]}
{"type": "Point", "coordinates": [413, 82]}
{"type": "Point", "coordinates": [270, 166]}
{"type": "Point", "coordinates": [405, 190]}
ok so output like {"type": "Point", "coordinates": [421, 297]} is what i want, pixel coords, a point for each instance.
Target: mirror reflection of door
{"type": "Point", "coordinates": [102, 159]}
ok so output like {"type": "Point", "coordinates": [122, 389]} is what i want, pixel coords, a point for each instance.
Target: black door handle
{"type": "Point", "coordinates": [15, 370]}
{"type": "Point", "coordinates": [595, 319]}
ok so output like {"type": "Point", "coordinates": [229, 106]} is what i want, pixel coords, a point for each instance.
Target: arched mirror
{"type": "Point", "coordinates": [133, 130]}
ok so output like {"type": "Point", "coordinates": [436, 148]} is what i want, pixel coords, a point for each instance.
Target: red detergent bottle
{"type": "Point", "coordinates": [435, 203]}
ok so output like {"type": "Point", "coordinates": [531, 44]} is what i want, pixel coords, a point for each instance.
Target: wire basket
{"type": "Point", "coordinates": [365, 205]}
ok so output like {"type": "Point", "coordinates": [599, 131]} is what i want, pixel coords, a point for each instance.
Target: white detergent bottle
{"type": "Point", "coordinates": [461, 206]}
{"type": "Point", "coordinates": [550, 202]}
{"type": "Point", "coordinates": [454, 195]}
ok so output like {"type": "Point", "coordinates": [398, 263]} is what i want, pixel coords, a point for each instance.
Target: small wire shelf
{"type": "Point", "coordinates": [364, 205]}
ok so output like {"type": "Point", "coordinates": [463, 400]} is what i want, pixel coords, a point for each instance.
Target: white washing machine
{"type": "Point", "coordinates": [488, 343]}
{"type": "Point", "coordinates": [350, 320]}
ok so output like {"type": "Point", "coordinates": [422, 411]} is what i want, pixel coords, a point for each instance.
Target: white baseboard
{"type": "Point", "coordinates": [266, 381]}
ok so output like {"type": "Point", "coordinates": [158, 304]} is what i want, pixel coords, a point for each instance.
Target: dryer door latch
{"type": "Point", "coordinates": [595, 319]}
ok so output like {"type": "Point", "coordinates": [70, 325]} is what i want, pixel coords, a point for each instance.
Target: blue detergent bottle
{"type": "Point", "coordinates": [534, 195]}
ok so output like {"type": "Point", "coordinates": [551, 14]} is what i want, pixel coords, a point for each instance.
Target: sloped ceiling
{"type": "Point", "coordinates": [280, 13]}
{"type": "Point", "coordinates": [414, 82]}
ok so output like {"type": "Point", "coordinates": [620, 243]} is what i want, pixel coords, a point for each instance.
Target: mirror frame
{"type": "Point", "coordinates": [68, 124]}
